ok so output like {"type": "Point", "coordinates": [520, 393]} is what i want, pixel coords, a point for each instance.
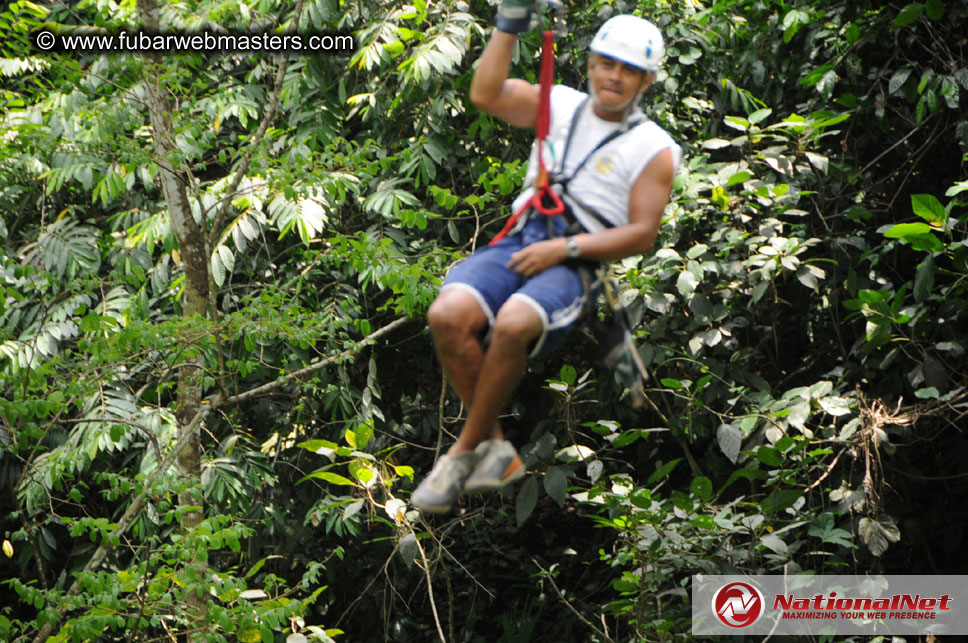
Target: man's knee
{"type": "Point", "coordinates": [455, 313]}
{"type": "Point", "coordinates": [517, 324]}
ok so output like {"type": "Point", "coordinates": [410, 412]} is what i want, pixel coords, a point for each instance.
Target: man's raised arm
{"type": "Point", "coordinates": [511, 99]}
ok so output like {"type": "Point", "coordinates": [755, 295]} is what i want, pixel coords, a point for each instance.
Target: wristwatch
{"type": "Point", "coordinates": [572, 251]}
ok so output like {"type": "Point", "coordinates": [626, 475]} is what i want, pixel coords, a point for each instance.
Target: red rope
{"type": "Point", "coordinates": [546, 80]}
{"type": "Point", "coordinates": [542, 190]}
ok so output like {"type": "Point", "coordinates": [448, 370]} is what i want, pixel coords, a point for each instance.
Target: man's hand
{"type": "Point", "coordinates": [514, 16]}
{"type": "Point", "coordinates": [538, 257]}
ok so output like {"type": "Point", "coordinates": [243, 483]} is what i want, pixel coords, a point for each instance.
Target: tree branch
{"type": "Point", "coordinates": [139, 502]}
{"type": "Point", "coordinates": [545, 573]}
{"type": "Point", "coordinates": [312, 368]}
{"type": "Point", "coordinates": [185, 437]}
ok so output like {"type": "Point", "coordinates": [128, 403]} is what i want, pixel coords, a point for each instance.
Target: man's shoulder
{"type": "Point", "coordinates": [566, 90]}
{"type": "Point", "coordinates": [565, 95]}
{"type": "Point", "coordinates": [649, 129]}
{"type": "Point", "coordinates": [646, 140]}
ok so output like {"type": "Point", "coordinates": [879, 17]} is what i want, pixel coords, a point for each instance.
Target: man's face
{"type": "Point", "coordinates": [615, 84]}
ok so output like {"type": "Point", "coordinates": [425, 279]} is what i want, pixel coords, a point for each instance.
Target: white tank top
{"type": "Point", "coordinates": [605, 181]}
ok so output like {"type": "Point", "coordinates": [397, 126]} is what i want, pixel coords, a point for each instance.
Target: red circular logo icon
{"type": "Point", "coordinates": [738, 604]}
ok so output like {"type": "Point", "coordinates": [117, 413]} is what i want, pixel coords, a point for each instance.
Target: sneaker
{"type": "Point", "coordinates": [499, 464]}
{"type": "Point", "coordinates": [439, 490]}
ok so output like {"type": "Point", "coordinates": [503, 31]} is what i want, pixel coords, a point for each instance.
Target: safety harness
{"type": "Point", "coordinates": [545, 200]}
{"type": "Point", "coordinates": [619, 347]}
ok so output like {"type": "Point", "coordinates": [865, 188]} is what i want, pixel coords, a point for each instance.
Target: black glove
{"type": "Point", "coordinates": [514, 16]}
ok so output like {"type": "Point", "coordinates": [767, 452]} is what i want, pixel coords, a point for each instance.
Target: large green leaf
{"type": "Point", "coordinates": [526, 500]}
{"type": "Point", "coordinates": [905, 230]}
{"type": "Point", "coordinates": [556, 484]}
{"type": "Point", "coordinates": [330, 477]}
{"type": "Point", "coordinates": [908, 14]}
{"type": "Point", "coordinates": [929, 208]}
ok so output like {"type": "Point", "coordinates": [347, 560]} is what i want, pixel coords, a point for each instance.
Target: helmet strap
{"type": "Point", "coordinates": [627, 112]}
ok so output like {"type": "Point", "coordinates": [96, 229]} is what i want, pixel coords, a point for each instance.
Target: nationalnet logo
{"type": "Point", "coordinates": [830, 604]}
{"type": "Point", "coordinates": [898, 606]}
{"type": "Point", "coordinates": [738, 604]}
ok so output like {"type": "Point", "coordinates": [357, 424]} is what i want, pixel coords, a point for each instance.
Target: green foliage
{"type": "Point", "coordinates": [802, 317]}
{"type": "Point", "coordinates": [152, 592]}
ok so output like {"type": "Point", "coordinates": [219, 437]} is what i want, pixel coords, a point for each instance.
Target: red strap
{"type": "Point", "coordinates": [542, 190]}
{"type": "Point", "coordinates": [546, 80]}
{"type": "Point", "coordinates": [535, 202]}
{"type": "Point", "coordinates": [510, 224]}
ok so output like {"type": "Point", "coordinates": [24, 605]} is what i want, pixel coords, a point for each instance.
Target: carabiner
{"type": "Point", "coordinates": [537, 200]}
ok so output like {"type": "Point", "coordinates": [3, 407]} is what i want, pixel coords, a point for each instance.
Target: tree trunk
{"type": "Point", "coordinates": [194, 259]}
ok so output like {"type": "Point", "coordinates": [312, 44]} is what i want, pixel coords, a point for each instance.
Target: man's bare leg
{"type": "Point", "coordinates": [456, 320]}
{"type": "Point", "coordinates": [494, 375]}
{"type": "Point", "coordinates": [500, 371]}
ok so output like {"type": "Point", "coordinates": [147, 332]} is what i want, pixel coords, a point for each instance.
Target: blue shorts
{"type": "Point", "coordinates": [559, 294]}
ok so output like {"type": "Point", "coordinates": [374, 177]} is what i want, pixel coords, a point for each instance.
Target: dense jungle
{"type": "Point", "coordinates": [217, 387]}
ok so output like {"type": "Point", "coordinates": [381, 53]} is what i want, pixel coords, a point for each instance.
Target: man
{"type": "Point", "coordinates": [613, 169]}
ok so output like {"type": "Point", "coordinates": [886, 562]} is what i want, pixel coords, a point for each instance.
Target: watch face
{"type": "Point", "coordinates": [572, 249]}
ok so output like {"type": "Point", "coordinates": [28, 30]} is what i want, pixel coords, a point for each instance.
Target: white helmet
{"type": "Point", "coordinates": [631, 39]}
